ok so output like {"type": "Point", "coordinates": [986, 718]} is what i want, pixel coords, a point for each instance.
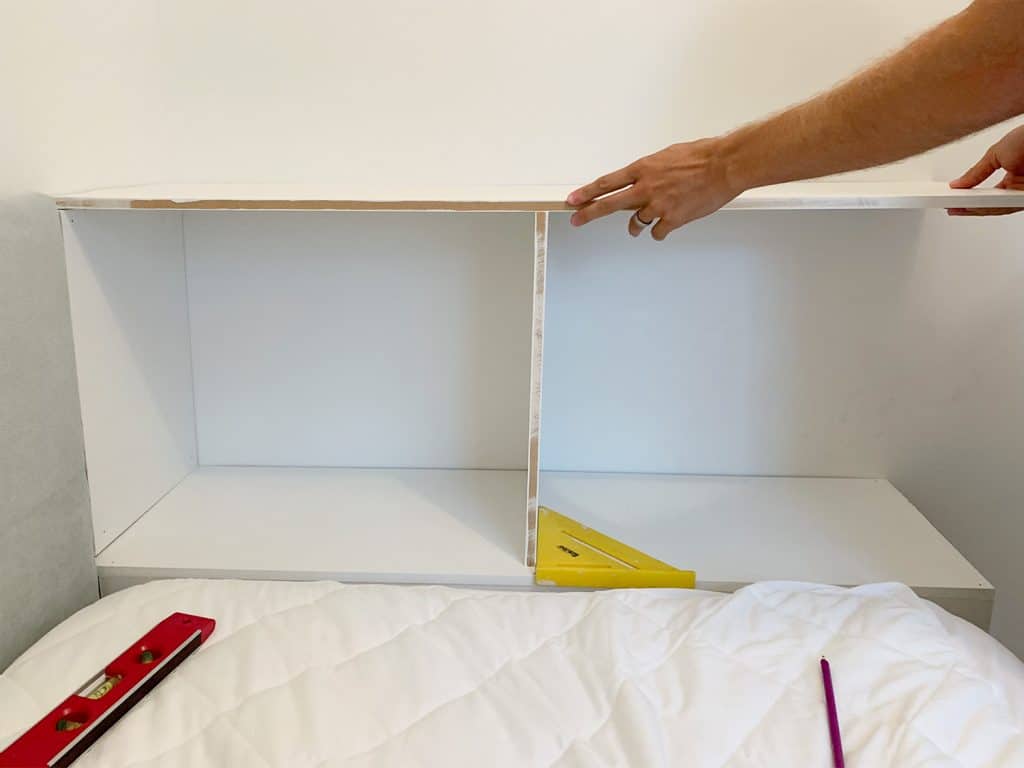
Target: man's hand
{"type": "Point", "coordinates": [674, 186]}
{"type": "Point", "coordinates": [964, 75]}
{"type": "Point", "coordinates": [1007, 155]}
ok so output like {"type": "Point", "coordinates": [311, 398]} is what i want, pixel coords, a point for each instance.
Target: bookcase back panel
{"type": "Point", "coordinates": [361, 339]}
{"type": "Point", "coordinates": [747, 343]}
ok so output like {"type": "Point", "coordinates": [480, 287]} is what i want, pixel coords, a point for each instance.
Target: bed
{"type": "Point", "coordinates": [326, 674]}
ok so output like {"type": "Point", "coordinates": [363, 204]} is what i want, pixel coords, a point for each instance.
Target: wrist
{"type": "Point", "coordinates": [743, 161]}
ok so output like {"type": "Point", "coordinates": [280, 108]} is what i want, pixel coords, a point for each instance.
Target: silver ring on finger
{"type": "Point", "coordinates": [640, 222]}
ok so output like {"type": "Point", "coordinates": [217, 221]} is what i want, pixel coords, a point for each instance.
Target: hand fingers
{"type": "Point", "coordinates": [627, 198]}
{"type": "Point", "coordinates": [982, 211]}
{"type": "Point", "coordinates": [664, 227]}
{"type": "Point", "coordinates": [1011, 180]}
{"type": "Point", "coordinates": [977, 173]}
{"type": "Point", "coordinates": [602, 186]}
{"type": "Point", "coordinates": [641, 220]}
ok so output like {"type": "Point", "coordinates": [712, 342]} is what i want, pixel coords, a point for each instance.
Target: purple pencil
{"type": "Point", "coordinates": [833, 716]}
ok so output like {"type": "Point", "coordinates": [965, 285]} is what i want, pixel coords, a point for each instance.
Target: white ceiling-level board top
{"type": "Point", "coordinates": [813, 195]}
{"type": "Point", "coordinates": [739, 530]}
{"type": "Point", "coordinates": [410, 526]}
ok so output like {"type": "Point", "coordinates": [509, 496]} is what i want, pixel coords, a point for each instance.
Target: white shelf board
{"type": "Point", "coordinates": [507, 197]}
{"type": "Point", "coordinates": [813, 195]}
{"type": "Point", "coordinates": [368, 525]}
{"type": "Point", "coordinates": [870, 195]}
{"type": "Point", "coordinates": [735, 531]}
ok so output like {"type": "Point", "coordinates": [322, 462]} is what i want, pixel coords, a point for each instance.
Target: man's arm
{"type": "Point", "coordinates": [962, 76]}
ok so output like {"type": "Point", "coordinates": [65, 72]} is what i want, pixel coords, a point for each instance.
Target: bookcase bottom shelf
{"type": "Point", "coordinates": [466, 527]}
{"type": "Point", "coordinates": [734, 531]}
{"type": "Point", "coordinates": [362, 525]}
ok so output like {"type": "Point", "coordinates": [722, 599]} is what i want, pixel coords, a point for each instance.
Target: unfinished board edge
{"type": "Point", "coordinates": [437, 206]}
{"type": "Point", "coordinates": [810, 195]}
{"type": "Point", "coordinates": [540, 250]}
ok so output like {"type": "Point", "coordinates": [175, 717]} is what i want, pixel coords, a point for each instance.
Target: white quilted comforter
{"type": "Point", "coordinates": [323, 674]}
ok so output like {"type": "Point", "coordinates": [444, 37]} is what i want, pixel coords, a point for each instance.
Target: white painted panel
{"type": "Point", "coordinates": [750, 343]}
{"type": "Point", "coordinates": [414, 526]}
{"type": "Point", "coordinates": [361, 339]}
{"type": "Point", "coordinates": [129, 316]}
{"type": "Point", "coordinates": [738, 530]}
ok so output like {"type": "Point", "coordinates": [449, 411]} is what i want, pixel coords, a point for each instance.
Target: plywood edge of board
{"type": "Point", "coordinates": [536, 384]}
{"type": "Point", "coordinates": [807, 195]}
{"type": "Point", "coordinates": [285, 197]}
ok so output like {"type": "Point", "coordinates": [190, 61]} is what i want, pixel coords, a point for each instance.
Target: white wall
{"type": "Point", "coordinates": [46, 565]}
{"type": "Point", "coordinates": [408, 92]}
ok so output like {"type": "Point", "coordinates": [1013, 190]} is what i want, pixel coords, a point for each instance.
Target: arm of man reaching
{"type": "Point", "coordinates": [964, 75]}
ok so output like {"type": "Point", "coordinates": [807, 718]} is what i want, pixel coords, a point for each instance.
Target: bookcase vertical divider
{"type": "Point", "coordinates": [540, 249]}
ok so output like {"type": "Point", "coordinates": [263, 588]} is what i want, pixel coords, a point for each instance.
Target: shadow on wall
{"type": "Point", "coordinates": [46, 563]}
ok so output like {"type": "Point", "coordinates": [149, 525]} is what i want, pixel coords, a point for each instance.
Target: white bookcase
{"type": "Point", "coordinates": [314, 382]}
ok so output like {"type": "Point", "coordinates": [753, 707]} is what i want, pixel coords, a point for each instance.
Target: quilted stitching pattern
{"type": "Point", "coordinates": [325, 675]}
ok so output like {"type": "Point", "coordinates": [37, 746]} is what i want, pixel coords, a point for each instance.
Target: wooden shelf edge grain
{"type": "Point", "coordinates": [439, 206]}
{"type": "Point", "coordinates": [814, 195]}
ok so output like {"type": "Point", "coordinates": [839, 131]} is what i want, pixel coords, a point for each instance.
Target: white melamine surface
{"type": "Point", "coordinates": [739, 530]}
{"type": "Point", "coordinates": [800, 195]}
{"type": "Point", "coordinates": [431, 526]}
{"type": "Point", "coordinates": [361, 339]}
{"type": "Point", "coordinates": [129, 315]}
{"type": "Point", "coordinates": [754, 344]}
{"type": "Point", "coordinates": [855, 195]}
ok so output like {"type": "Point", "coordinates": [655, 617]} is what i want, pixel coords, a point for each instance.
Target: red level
{"type": "Point", "coordinates": [71, 728]}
